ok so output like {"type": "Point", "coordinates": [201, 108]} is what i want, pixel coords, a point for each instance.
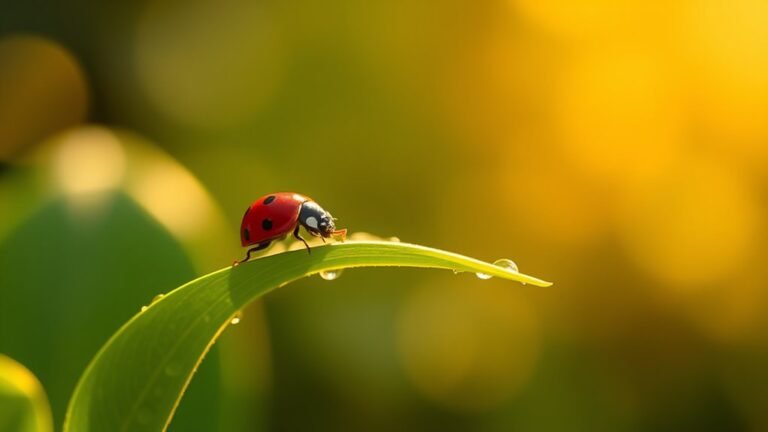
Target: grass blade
{"type": "Point", "coordinates": [137, 379]}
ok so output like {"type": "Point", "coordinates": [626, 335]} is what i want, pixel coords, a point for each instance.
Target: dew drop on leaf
{"type": "Point", "coordinates": [330, 274]}
{"type": "Point", "coordinates": [504, 263]}
{"type": "Point", "coordinates": [236, 318]}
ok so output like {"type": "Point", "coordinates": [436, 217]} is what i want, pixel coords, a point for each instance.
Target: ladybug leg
{"type": "Point", "coordinates": [298, 236]}
{"type": "Point", "coordinates": [341, 233]}
{"type": "Point", "coordinates": [260, 246]}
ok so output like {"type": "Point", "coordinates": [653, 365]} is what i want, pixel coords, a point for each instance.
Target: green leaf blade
{"type": "Point", "coordinates": [137, 379]}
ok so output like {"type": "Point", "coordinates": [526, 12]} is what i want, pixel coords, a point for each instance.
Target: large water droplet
{"type": "Point", "coordinates": [330, 274]}
{"type": "Point", "coordinates": [504, 263]}
{"type": "Point", "coordinates": [236, 318]}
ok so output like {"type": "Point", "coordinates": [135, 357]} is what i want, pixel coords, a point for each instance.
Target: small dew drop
{"type": "Point", "coordinates": [143, 308]}
{"type": "Point", "coordinates": [395, 239]}
{"type": "Point", "coordinates": [157, 297]}
{"type": "Point", "coordinates": [483, 276]}
{"type": "Point", "coordinates": [506, 264]}
{"type": "Point", "coordinates": [330, 274]}
{"type": "Point", "coordinates": [236, 318]}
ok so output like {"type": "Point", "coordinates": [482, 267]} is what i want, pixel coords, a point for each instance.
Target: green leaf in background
{"type": "Point", "coordinates": [75, 262]}
{"type": "Point", "coordinates": [23, 404]}
{"type": "Point", "coordinates": [137, 379]}
{"type": "Point", "coordinates": [67, 285]}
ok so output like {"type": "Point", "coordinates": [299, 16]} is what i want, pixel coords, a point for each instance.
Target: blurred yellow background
{"type": "Point", "coordinates": [618, 149]}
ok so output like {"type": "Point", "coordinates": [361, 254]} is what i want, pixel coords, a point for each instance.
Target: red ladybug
{"type": "Point", "coordinates": [275, 215]}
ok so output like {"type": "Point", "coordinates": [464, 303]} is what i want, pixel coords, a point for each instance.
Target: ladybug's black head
{"type": "Point", "coordinates": [316, 220]}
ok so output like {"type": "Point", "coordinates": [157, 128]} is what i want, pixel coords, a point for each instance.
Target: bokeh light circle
{"type": "Point", "coordinates": [89, 160]}
{"type": "Point", "coordinates": [577, 19]}
{"type": "Point", "coordinates": [89, 164]}
{"type": "Point", "coordinates": [42, 90]}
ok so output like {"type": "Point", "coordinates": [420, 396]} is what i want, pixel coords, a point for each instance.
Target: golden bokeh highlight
{"type": "Point", "coordinates": [468, 348]}
{"type": "Point", "coordinates": [171, 194]}
{"type": "Point", "coordinates": [188, 74]}
{"type": "Point", "coordinates": [42, 90]}
{"type": "Point", "coordinates": [578, 20]}
{"type": "Point", "coordinates": [724, 46]}
{"type": "Point", "coordinates": [696, 225]}
{"type": "Point", "coordinates": [89, 164]}
{"type": "Point", "coordinates": [620, 115]}
{"type": "Point", "coordinates": [88, 160]}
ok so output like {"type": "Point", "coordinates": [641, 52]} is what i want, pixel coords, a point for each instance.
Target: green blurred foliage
{"type": "Point", "coordinates": [68, 285]}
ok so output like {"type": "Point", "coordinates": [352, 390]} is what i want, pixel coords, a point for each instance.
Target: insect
{"type": "Point", "coordinates": [274, 216]}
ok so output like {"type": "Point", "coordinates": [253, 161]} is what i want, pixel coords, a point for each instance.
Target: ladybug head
{"type": "Point", "coordinates": [316, 220]}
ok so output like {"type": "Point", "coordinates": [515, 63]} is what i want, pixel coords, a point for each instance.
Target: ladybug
{"type": "Point", "coordinates": [274, 216]}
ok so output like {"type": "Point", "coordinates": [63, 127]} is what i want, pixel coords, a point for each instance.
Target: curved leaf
{"type": "Point", "coordinates": [23, 404]}
{"type": "Point", "coordinates": [137, 379]}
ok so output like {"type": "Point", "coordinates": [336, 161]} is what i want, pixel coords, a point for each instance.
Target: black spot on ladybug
{"type": "Point", "coordinates": [266, 224]}
{"type": "Point", "coordinates": [268, 200]}
{"type": "Point", "coordinates": [246, 235]}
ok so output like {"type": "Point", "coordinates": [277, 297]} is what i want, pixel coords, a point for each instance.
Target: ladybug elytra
{"type": "Point", "coordinates": [274, 216]}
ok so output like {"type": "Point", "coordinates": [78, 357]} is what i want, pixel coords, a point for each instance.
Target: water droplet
{"type": "Point", "coordinates": [506, 264]}
{"type": "Point", "coordinates": [154, 299]}
{"type": "Point", "coordinates": [330, 274]}
{"type": "Point", "coordinates": [455, 271]}
{"type": "Point", "coordinates": [236, 318]}
{"type": "Point", "coordinates": [395, 239]}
